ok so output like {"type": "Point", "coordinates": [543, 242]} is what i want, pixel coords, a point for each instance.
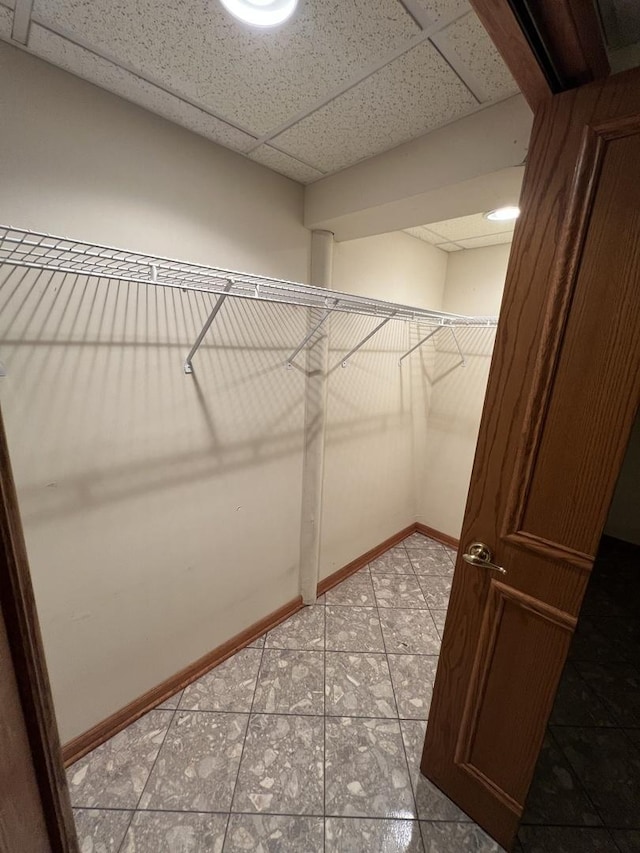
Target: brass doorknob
{"type": "Point", "coordinates": [480, 554]}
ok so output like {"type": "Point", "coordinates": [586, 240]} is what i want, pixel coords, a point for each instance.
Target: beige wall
{"type": "Point", "coordinates": [162, 512]}
{"type": "Point", "coordinates": [474, 284]}
{"type": "Point", "coordinates": [624, 514]}
{"type": "Point", "coordinates": [369, 457]}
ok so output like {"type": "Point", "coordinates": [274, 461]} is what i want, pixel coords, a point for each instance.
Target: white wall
{"type": "Point", "coordinates": [474, 284]}
{"type": "Point", "coordinates": [624, 513]}
{"type": "Point", "coordinates": [162, 512]}
{"type": "Point", "coordinates": [370, 446]}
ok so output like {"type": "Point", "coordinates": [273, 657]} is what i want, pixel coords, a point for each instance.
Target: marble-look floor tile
{"type": "Point", "coordinates": [439, 617]}
{"type": "Point", "coordinates": [617, 688]}
{"type": "Point", "coordinates": [399, 591]}
{"type": "Point", "coordinates": [366, 769]}
{"type": "Point", "coordinates": [252, 833]}
{"type": "Point", "coordinates": [197, 765]}
{"type": "Point", "coordinates": [393, 562]}
{"type": "Point", "coordinates": [556, 796]}
{"type": "Point", "coordinates": [418, 542]}
{"type": "Point", "coordinates": [431, 803]}
{"type": "Point", "coordinates": [435, 563]}
{"type": "Point", "coordinates": [356, 591]}
{"type": "Point", "coordinates": [412, 677]}
{"type": "Point", "coordinates": [258, 643]}
{"type": "Point", "coordinates": [457, 837]}
{"type": "Point", "coordinates": [576, 704]}
{"type": "Point", "coordinates": [608, 766]}
{"type": "Point", "coordinates": [114, 775]}
{"type": "Point", "coordinates": [282, 766]}
{"type": "Point", "coordinates": [627, 840]}
{"type": "Point", "coordinates": [100, 831]}
{"type": "Point", "coordinates": [358, 685]}
{"type": "Point", "coordinates": [171, 703]}
{"type": "Point", "coordinates": [360, 834]}
{"type": "Point", "coordinates": [354, 629]}
{"type": "Point", "coordinates": [228, 687]}
{"type": "Point", "coordinates": [565, 839]}
{"type": "Point", "coordinates": [175, 832]}
{"type": "Point", "coordinates": [290, 682]}
{"type": "Point", "coordinates": [634, 735]}
{"type": "Point", "coordinates": [303, 630]}
{"type": "Point", "coordinates": [436, 591]}
{"type": "Point", "coordinates": [409, 632]}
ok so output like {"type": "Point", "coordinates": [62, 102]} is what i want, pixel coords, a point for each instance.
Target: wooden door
{"type": "Point", "coordinates": [35, 812]}
{"type": "Point", "coordinates": [562, 395]}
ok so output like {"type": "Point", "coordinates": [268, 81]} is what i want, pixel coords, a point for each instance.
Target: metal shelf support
{"type": "Point", "coordinates": [308, 337]}
{"type": "Point", "coordinates": [419, 344]}
{"type": "Point", "coordinates": [463, 361]}
{"type": "Point", "coordinates": [364, 340]}
{"type": "Point", "coordinates": [188, 367]}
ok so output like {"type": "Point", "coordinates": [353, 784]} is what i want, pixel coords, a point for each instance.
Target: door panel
{"type": "Point", "coordinates": [562, 395]}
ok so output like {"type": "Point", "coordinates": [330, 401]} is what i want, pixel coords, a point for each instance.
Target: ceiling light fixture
{"type": "Point", "coordinates": [503, 214]}
{"type": "Point", "coordinates": [261, 13]}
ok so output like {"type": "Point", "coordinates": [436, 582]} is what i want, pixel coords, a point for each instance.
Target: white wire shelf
{"type": "Point", "coordinates": [40, 251]}
{"type": "Point", "coordinates": [36, 250]}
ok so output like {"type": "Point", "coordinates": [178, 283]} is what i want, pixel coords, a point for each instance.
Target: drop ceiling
{"type": "Point", "coordinates": [466, 232]}
{"type": "Point", "coordinates": [340, 82]}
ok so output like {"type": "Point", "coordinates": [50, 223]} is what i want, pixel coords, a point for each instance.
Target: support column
{"type": "Point", "coordinates": [317, 356]}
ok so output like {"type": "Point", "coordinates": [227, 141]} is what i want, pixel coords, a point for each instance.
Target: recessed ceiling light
{"type": "Point", "coordinates": [503, 214]}
{"type": "Point", "coordinates": [261, 13]}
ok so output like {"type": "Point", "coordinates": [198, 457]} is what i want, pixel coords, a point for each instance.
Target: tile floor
{"type": "Point", "coordinates": [586, 790]}
{"type": "Point", "coordinates": [309, 740]}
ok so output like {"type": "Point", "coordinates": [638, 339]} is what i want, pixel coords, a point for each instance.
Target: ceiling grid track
{"type": "Point", "coordinates": [241, 133]}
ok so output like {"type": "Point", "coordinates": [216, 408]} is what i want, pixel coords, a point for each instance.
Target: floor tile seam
{"type": "Point", "coordinates": [582, 787]}
{"type": "Point", "coordinates": [324, 737]}
{"type": "Point", "coordinates": [144, 787]}
{"type": "Point", "coordinates": [395, 699]}
{"type": "Point", "coordinates": [244, 743]}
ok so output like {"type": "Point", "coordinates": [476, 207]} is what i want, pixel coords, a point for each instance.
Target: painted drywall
{"type": "Point", "coordinates": [370, 448]}
{"type": "Point", "coordinates": [161, 511]}
{"type": "Point", "coordinates": [624, 513]}
{"type": "Point", "coordinates": [474, 285]}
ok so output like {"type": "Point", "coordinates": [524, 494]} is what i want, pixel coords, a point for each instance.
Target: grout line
{"type": "Point", "coordinates": [244, 742]}
{"type": "Point", "coordinates": [135, 809]}
{"type": "Point", "coordinates": [324, 735]}
{"type": "Point", "coordinates": [395, 699]}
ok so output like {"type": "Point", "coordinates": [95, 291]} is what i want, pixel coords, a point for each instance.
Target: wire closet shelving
{"type": "Point", "coordinates": [36, 250]}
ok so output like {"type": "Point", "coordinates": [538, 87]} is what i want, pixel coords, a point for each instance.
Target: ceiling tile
{"type": "Point", "coordinates": [423, 233]}
{"type": "Point", "coordinates": [449, 247]}
{"type": "Point", "coordinates": [439, 9]}
{"type": "Point", "coordinates": [489, 240]}
{"type": "Point", "coordinates": [475, 225]}
{"type": "Point", "coordinates": [416, 92]}
{"type": "Point", "coordinates": [109, 76]}
{"type": "Point", "coordinates": [255, 78]}
{"type": "Point", "coordinates": [286, 165]}
{"type": "Point", "coordinates": [6, 22]}
{"type": "Point", "coordinates": [470, 41]}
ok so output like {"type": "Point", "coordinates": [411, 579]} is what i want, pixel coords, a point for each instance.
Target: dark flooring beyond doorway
{"type": "Point", "coordinates": [585, 797]}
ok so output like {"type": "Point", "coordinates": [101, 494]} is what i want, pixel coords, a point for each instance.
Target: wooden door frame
{"type": "Point", "coordinates": [18, 608]}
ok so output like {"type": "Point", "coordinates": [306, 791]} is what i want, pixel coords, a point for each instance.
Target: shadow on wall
{"type": "Point", "coordinates": [102, 410]}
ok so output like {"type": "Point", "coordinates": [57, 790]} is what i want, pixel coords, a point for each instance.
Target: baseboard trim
{"type": "Point", "coordinates": [360, 562]}
{"type": "Point", "coordinates": [101, 732]}
{"type": "Point", "coordinates": [451, 541]}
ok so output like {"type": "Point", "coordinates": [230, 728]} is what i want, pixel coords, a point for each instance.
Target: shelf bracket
{"type": "Point", "coordinates": [463, 361]}
{"type": "Point", "coordinates": [419, 344]}
{"type": "Point", "coordinates": [364, 340]}
{"type": "Point", "coordinates": [188, 367]}
{"type": "Point", "coordinates": [308, 337]}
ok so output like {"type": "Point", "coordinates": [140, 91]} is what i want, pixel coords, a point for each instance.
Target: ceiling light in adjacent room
{"type": "Point", "coordinates": [261, 13]}
{"type": "Point", "coordinates": [503, 214]}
